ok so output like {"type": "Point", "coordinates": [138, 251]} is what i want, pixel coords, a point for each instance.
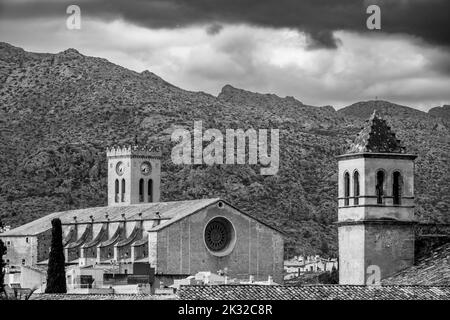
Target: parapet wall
{"type": "Point", "coordinates": [133, 150]}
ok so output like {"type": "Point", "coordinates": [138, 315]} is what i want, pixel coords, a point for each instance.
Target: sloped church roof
{"type": "Point", "coordinates": [165, 211]}
{"type": "Point", "coordinates": [376, 136]}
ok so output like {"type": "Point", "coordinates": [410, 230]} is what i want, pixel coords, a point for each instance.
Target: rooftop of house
{"type": "Point", "coordinates": [377, 137]}
{"type": "Point", "coordinates": [47, 296]}
{"type": "Point", "coordinates": [313, 292]}
{"type": "Point", "coordinates": [431, 269]}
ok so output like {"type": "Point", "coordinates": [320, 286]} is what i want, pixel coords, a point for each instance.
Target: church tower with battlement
{"type": "Point", "coordinates": [375, 206]}
{"type": "Point", "coordinates": [134, 175]}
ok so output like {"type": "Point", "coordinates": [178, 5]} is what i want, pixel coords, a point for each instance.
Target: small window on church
{"type": "Point", "coordinates": [117, 191]}
{"type": "Point", "coordinates": [379, 187]}
{"type": "Point", "coordinates": [23, 262]}
{"type": "Point", "coordinates": [356, 187]}
{"type": "Point", "coordinates": [27, 240]}
{"type": "Point", "coordinates": [150, 190]}
{"type": "Point", "coordinates": [141, 190]}
{"type": "Point", "coordinates": [123, 190]}
{"type": "Point", "coordinates": [346, 189]}
{"type": "Point", "coordinates": [396, 188]}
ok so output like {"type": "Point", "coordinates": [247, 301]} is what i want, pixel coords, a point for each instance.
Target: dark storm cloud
{"type": "Point", "coordinates": [425, 19]}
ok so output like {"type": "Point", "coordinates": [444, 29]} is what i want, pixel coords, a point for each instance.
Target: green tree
{"type": "Point", "coordinates": [56, 273]}
{"type": "Point", "coordinates": [334, 277]}
{"type": "Point", "coordinates": [325, 249]}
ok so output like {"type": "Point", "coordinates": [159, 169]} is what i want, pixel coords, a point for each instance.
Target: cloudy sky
{"type": "Point", "coordinates": [319, 51]}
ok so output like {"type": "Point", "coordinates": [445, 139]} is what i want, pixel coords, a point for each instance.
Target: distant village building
{"type": "Point", "coordinates": [298, 265]}
{"type": "Point", "coordinates": [4, 228]}
{"type": "Point", "coordinates": [210, 278]}
{"type": "Point", "coordinates": [175, 239]}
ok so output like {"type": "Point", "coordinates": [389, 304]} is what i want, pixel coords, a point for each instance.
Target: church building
{"type": "Point", "coordinates": [176, 239]}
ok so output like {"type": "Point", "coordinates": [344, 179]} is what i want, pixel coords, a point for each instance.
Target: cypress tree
{"type": "Point", "coordinates": [56, 273]}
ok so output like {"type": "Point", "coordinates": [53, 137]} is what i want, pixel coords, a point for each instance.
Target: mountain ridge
{"type": "Point", "coordinates": [58, 112]}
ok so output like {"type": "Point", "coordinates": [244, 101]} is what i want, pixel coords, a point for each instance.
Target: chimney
{"type": "Point", "coordinates": [157, 221]}
{"type": "Point", "coordinates": [75, 226]}
{"type": "Point", "coordinates": [141, 220]}
{"type": "Point", "coordinates": [107, 225]}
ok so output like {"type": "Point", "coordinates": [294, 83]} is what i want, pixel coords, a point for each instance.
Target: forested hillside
{"type": "Point", "coordinates": [58, 113]}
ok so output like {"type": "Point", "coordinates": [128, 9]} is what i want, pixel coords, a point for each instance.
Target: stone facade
{"type": "Point", "coordinates": [27, 249]}
{"type": "Point", "coordinates": [180, 247]}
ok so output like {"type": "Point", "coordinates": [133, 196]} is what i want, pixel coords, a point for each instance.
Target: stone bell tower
{"type": "Point", "coordinates": [134, 175]}
{"type": "Point", "coordinates": [375, 206]}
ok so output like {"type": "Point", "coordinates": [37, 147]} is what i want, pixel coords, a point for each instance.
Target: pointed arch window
{"type": "Point", "coordinates": [356, 187]}
{"type": "Point", "coordinates": [380, 186]}
{"type": "Point", "coordinates": [141, 190]}
{"type": "Point", "coordinates": [396, 187]}
{"type": "Point", "coordinates": [123, 190]}
{"type": "Point", "coordinates": [150, 190]}
{"type": "Point", "coordinates": [116, 187]}
{"type": "Point", "coordinates": [346, 188]}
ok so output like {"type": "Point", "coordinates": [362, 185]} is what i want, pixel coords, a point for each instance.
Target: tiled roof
{"type": "Point", "coordinates": [376, 136]}
{"type": "Point", "coordinates": [431, 269]}
{"type": "Point", "coordinates": [47, 296]}
{"type": "Point", "coordinates": [167, 210]}
{"type": "Point", "coordinates": [313, 292]}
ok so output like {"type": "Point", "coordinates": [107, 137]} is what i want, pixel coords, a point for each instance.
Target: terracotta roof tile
{"type": "Point", "coordinates": [313, 292]}
{"type": "Point", "coordinates": [431, 269]}
{"type": "Point", "coordinates": [47, 296]}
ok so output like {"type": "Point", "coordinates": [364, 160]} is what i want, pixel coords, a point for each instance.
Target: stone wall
{"type": "Point", "coordinates": [20, 250]}
{"type": "Point", "coordinates": [390, 246]}
{"type": "Point", "coordinates": [180, 247]}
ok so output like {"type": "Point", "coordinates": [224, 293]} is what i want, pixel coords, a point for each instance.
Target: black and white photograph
{"type": "Point", "coordinates": [216, 158]}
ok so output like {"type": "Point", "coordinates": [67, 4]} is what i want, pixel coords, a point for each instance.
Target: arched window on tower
{"type": "Point", "coordinates": [141, 190]}
{"type": "Point", "coordinates": [379, 186]}
{"type": "Point", "coordinates": [396, 187]}
{"type": "Point", "coordinates": [150, 190]}
{"type": "Point", "coordinates": [356, 187]}
{"type": "Point", "coordinates": [123, 190]}
{"type": "Point", "coordinates": [116, 196]}
{"type": "Point", "coordinates": [346, 189]}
